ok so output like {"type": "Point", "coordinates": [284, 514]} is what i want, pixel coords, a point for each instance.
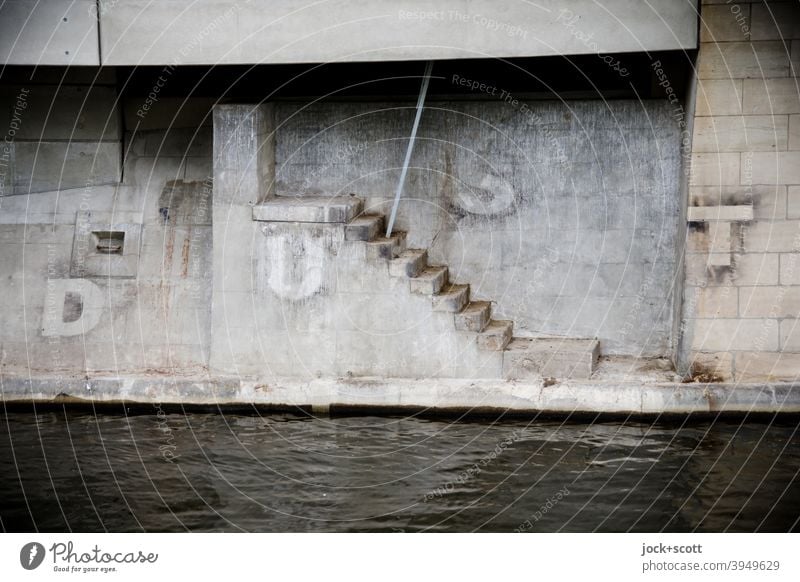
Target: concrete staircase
{"type": "Point", "coordinates": [523, 357]}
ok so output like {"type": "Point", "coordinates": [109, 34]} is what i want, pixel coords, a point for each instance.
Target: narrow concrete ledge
{"type": "Point", "coordinates": [381, 395]}
{"type": "Point", "coordinates": [339, 209]}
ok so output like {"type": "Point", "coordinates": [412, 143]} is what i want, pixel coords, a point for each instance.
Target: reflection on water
{"type": "Point", "coordinates": [174, 472]}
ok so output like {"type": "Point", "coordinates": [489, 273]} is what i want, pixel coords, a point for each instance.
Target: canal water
{"type": "Point", "coordinates": [75, 471]}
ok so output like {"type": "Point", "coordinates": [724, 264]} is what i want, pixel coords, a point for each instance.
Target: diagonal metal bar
{"type": "Point", "coordinates": [420, 101]}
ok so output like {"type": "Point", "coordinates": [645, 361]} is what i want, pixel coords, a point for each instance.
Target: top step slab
{"type": "Point", "coordinates": [330, 209]}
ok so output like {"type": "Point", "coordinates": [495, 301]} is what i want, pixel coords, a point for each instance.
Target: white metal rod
{"type": "Point", "coordinates": [420, 101]}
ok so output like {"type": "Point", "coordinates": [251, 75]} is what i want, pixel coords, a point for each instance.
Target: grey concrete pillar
{"type": "Point", "coordinates": [244, 153]}
{"type": "Point", "coordinates": [244, 174]}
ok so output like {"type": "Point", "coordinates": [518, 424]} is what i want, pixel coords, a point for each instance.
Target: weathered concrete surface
{"type": "Point", "coordinates": [81, 112]}
{"type": "Point", "coordinates": [243, 161]}
{"type": "Point", "coordinates": [320, 306]}
{"type": "Point", "coordinates": [147, 308]}
{"type": "Point", "coordinates": [59, 137]}
{"type": "Point", "coordinates": [49, 32]}
{"type": "Point", "coordinates": [564, 214]}
{"type": "Point", "coordinates": [141, 32]}
{"type": "Point", "coordinates": [431, 395]}
{"type": "Point", "coordinates": [44, 166]}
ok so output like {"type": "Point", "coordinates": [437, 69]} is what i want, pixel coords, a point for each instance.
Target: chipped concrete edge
{"type": "Point", "coordinates": [382, 395]}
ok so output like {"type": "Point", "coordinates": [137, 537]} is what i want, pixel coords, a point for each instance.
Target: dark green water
{"type": "Point", "coordinates": [62, 471]}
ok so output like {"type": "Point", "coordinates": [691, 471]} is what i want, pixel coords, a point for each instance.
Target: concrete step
{"type": "Point", "coordinates": [409, 263]}
{"type": "Point", "coordinates": [430, 281]}
{"type": "Point", "coordinates": [365, 227]}
{"type": "Point", "coordinates": [330, 209]}
{"type": "Point", "coordinates": [387, 248]}
{"type": "Point", "coordinates": [452, 298]}
{"type": "Point", "coordinates": [474, 317]}
{"type": "Point", "coordinates": [562, 358]}
{"type": "Point", "coordinates": [496, 335]}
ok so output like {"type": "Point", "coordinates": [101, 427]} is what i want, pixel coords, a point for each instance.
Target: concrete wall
{"type": "Point", "coordinates": [742, 297]}
{"type": "Point", "coordinates": [559, 247]}
{"type": "Point", "coordinates": [62, 133]}
{"type": "Point", "coordinates": [563, 214]}
{"type": "Point", "coordinates": [142, 32]}
{"type": "Point", "coordinates": [70, 308]}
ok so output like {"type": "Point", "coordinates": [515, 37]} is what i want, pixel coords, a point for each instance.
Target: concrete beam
{"type": "Point", "coordinates": [244, 174]}
{"type": "Point", "coordinates": [49, 32]}
{"type": "Point", "coordinates": [142, 32]}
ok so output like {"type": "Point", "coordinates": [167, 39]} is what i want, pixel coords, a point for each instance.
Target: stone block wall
{"type": "Point", "coordinates": [742, 294]}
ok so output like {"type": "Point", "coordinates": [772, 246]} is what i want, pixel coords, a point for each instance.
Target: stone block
{"type": "Point", "coordinates": [364, 228]}
{"type": "Point", "coordinates": [770, 96]}
{"type": "Point", "coordinates": [719, 97]}
{"type": "Point", "coordinates": [740, 133]}
{"type": "Point", "coordinates": [770, 202]}
{"type": "Point", "coordinates": [728, 214]}
{"type": "Point", "coordinates": [341, 209]}
{"type": "Point", "coordinates": [772, 236]}
{"type": "Point", "coordinates": [409, 263]}
{"type": "Point", "coordinates": [761, 366]}
{"type": "Point", "coordinates": [790, 268]}
{"type": "Point", "coordinates": [474, 317]}
{"type": "Point", "coordinates": [769, 302]}
{"type": "Point", "coordinates": [496, 335]}
{"type": "Point", "coordinates": [722, 335]}
{"type": "Point", "coordinates": [756, 269]}
{"type": "Point", "coordinates": [767, 201]}
{"type": "Point", "coordinates": [713, 169]}
{"type": "Point", "coordinates": [561, 358]}
{"type": "Point", "coordinates": [430, 281]}
{"type": "Point", "coordinates": [775, 168]}
{"type": "Point", "coordinates": [452, 298]}
{"type": "Point", "coordinates": [743, 60]}
{"type": "Point", "coordinates": [729, 22]}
